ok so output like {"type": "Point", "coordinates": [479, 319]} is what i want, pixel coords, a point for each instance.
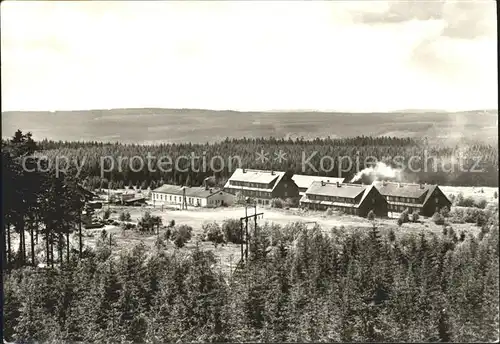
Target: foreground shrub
{"type": "Point", "coordinates": [124, 216]}
{"type": "Point", "coordinates": [292, 202]}
{"type": "Point", "coordinates": [107, 214]}
{"type": "Point", "coordinates": [277, 203]}
{"type": "Point", "coordinates": [445, 212]}
{"type": "Point", "coordinates": [232, 231]}
{"type": "Point", "coordinates": [469, 215]}
{"type": "Point", "coordinates": [415, 216]}
{"type": "Point", "coordinates": [181, 235]}
{"type": "Point", "coordinates": [404, 217]}
{"type": "Point", "coordinates": [470, 202]}
{"type": "Point", "coordinates": [212, 232]}
{"type": "Point", "coordinates": [438, 219]}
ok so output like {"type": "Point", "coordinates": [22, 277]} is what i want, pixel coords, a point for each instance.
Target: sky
{"type": "Point", "coordinates": [243, 55]}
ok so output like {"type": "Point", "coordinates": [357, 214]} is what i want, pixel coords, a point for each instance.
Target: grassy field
{"type": "Point", "coordinates": [229, 254]}
{"type": "Point", "coordinates": [479, 192]}
{"type": "Point", "coordinates": [200, 126]}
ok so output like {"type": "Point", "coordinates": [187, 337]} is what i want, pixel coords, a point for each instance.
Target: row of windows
{"type": "Point", "coordinates": [250, 185]}
{"type": "Point", "coordinates": [402, 199]}
{"type": "Point", "coordinates": [400, 208]}
{"type": "Point", "coordinates": [190, 200]}
{"type": "Point", "coordinates": [407, 200]}
{"type": "Point", "coordinates": [332, 199]}
{"type": "Point", "coordinates": [257, 193]}
{"type": "Point", "coordinates": [347, 210]}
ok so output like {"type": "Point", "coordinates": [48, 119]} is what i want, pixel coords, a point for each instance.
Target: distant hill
{"type": "Point", "coordinates": [154, 125]}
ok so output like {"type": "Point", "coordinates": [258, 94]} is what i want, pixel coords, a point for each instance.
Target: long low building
{"type": "Point", "coordinates": [304, 182]}
{"type": "Point", "coordinates": [423, 198]}
{"type": "Point", "coordinates": [194, 196]}
{"type": "Point", "coordinates": [262, 185]}
{"type": "Point", "coordinates": [356, 199]}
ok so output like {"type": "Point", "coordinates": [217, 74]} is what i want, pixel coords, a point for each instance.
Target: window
{"type": "Point", "coordinates": [170, 197]}
{"type": "Point", "coordinates": [286, 194]}
{"type": "Point", "coordinates": [437, 200]}
{"type": "Point", "coordinates": [285, 185]}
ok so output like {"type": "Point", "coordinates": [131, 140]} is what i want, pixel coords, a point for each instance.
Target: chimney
{"type": "Point", "coordinates": [322, 183]}
{"type": "Point", "coordinates": [272, 172]}
{"type": "Point", "coordinates": [244, 170]}
{"type": "Point", "coordinates": [211, 190]}
{"type": "Point", "coordinates": [338, 184]}
{"type": "Point", "coordinates": [421, 185]}
{"type": "Point", "coordinates": [399, 185]}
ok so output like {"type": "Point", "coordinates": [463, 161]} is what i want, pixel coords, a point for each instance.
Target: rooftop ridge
{"type": "Point", "coordinates": [256, 170]}
{"type": "Point", "coordinates": [402, 183]}
{"type": "Point", "coordinates": [342, 184]}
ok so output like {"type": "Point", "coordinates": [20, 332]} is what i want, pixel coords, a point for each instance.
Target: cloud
{"type": "Point", "coordinates": [346, 56]}
{"type": "Point", "coordinates": [398, 11]}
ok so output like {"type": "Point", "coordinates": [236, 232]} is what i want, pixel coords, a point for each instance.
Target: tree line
{"type": "Point", "coordinates": [326, 157]}
{"type": "Point", "coordinates": [299, 284]}
{"type": "Point", "coordinates": [38, 206]}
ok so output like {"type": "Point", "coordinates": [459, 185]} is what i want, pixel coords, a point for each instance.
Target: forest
{"type": "Point", "coordinates": [310, 285]}
{"type": "Point", "coordinates": [421, 160]}
{"type": "Point", "coordinates": [363, 286]}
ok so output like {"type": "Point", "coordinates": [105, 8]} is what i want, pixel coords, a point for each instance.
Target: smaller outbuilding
{"type": "Point", "coordinates": [203, 196]}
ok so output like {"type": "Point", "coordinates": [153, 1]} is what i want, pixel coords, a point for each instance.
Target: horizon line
{"type": "Point", "coordinates": [264, 111]}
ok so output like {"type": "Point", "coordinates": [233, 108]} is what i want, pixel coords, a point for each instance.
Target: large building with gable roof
{"type": "Point", "coordinates": [356, 199]}
{"type": "Point", "coordinates": [262, 185]}
{"type": "Point", "coordinates": [423, 198]}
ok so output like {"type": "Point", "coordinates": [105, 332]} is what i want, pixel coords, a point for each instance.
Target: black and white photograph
{"type": "Point", "coordinates": [250, 171]}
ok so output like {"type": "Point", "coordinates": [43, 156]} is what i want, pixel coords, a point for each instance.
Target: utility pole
{"type": "Point", "coordinates": [80, 239]}
{"type": "Point", "coordinates": [80, 234]}
{"type": "Point", "coordinates": [244, 255]}
{"type": "Point", "coordinates": [184, 202]}
{"type": "Point", "coordinates": [241, 238]}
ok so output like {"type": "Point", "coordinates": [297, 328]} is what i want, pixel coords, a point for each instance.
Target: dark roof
{"type": "Point", "coordinates": [304, 181]}
{"type": "Point", "coordinates": [403, 189]}
{"type": "Point", "coordinates": [342, 190]}
{"type": "Point", "coordinates": [256, 176]}
{"type": "Point", "coordinates": [135, 199]}
{"type": "Point", "coordinates": [337, 190]}
{"type": "Point", "coordinates": [86, 193]}
{"type": "Point", "coordinates": [190, 191]}
{"type": "Point", "coordinates": [407, 190]}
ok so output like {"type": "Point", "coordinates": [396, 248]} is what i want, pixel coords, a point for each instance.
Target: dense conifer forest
{"type": "Point", "coordinates": [420, 160]}
{"type": "Point", "coordinates": [311, 286]}
{"type": "Point", "coordinates": [300, 284]}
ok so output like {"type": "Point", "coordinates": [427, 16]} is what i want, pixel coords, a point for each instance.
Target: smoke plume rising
{"type": "Point", "coordinates": [380, 171]}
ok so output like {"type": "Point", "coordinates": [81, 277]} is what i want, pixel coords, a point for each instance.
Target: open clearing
{"type": "Point", "coordinates": [228, 255]}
